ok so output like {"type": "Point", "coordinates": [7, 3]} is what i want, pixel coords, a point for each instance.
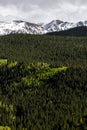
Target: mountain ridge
{"type": "Point", "coordinates": [19, 26]}
{"type": "Point", "coordinates": [57, 25]}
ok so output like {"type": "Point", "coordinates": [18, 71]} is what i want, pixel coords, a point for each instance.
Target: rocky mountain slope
{"type": "Point", "coordinates": [57, 25]}
{"type": "Point", "coordinates": [20, 27]}
{"type": "Point", "coordinates": [32, 28]}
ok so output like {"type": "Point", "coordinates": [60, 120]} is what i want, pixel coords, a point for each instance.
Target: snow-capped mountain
{"type": "Point", "coordinates": [41, 28]}
{"type": "Point", "coordinates": [20, 27]}
{"type": "Point", "coordinates": [57, 25]}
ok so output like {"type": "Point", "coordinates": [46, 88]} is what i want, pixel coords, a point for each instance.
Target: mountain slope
{"type": "Point", "coordinates": [41, 28]}
{"type": "Point", "coordinates": [77, 31]}
{"type": "Point", "coordinates": [20, 27]}
{"type": "Point", "coordinates": [55, 50]}
{"type": "Point", "coordinates": [57, 25]}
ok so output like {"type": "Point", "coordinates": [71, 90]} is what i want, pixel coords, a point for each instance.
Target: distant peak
{"type": "Point", "coordinates": [18, 21]}
{"type": "Point", "coordinates": [56, 21]}
{"type": "Point", "coordinates": [19, 26]}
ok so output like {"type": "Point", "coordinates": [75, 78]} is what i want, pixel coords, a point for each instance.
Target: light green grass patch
{"type": "Point", "coordinates": [3, 62]}
{"type": "Point", "coordinates": [5, 128]}
{"type": "Point", "coordinates": [30, 81]}
{"type": "Point", "coordinates": [37, 79]}
{"type": "Point", "coordinates": [51, 72]}
{"type": "Point", "coordinates": [13, 64]}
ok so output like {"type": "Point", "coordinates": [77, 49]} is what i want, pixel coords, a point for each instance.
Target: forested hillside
{"type": "Point", "coordinates": [76, 31]}
{"type": "Point", "coordinates": [57, 51]}
{"type": "Point", "coordinates": [43, 83]}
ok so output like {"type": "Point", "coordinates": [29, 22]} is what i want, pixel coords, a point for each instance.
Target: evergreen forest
{"type": "Point", "coordinates": [43, 82]}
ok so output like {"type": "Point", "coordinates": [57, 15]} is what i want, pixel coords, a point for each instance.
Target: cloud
{"type": "Point", "coordinates": [43, 10]}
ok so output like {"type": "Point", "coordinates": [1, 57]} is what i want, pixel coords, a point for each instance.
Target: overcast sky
{"type": "Point", "coordinates": [43, 10]}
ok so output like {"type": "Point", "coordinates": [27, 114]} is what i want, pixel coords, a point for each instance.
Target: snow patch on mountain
{"type": "Point", "coordinates": [40, 28]}
{"type": "Point", "coordinates": [57, 25]}
{"type": "Point", "coordinates": [20, 27]}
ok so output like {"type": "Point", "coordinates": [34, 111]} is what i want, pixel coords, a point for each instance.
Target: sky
{"type": "Point", "coordinates": [38, 11]}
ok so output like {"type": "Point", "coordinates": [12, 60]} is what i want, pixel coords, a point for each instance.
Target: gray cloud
{"type": "Point", "coordinates": [43, 10]}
